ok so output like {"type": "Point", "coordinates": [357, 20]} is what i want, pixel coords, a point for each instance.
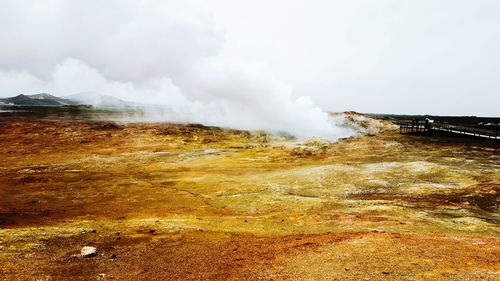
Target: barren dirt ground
{"type": "Point", "coordinates": [187, 202]}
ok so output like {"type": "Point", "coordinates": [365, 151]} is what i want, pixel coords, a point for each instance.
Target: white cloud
{"type": "Point", "coordinates": [426, 56]}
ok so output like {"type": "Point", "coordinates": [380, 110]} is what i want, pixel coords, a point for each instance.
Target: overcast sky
{"type": "Point", "coordinates": [436, 56]}
{"type": "Point", "coordinates": [418, 56]}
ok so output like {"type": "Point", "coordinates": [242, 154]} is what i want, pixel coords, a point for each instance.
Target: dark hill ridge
{"type": "Point", "coordinates": [36, 100]}
{"type": "Point", "coordinates": [87, 98]}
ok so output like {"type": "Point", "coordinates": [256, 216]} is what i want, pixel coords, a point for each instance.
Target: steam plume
{"type": "Point", "coordinates": [159, 52]}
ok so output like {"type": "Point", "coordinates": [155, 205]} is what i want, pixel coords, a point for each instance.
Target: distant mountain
{"type": "Point", "coordinates": [88, 98]}
{"type": "Point", "coordinates": [36, 100]}
{"type": "Point", "coordinates": [96, 99]}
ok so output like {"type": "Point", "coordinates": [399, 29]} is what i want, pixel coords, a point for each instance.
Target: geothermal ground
{"type": "Point", "coordinates": [187, 202]}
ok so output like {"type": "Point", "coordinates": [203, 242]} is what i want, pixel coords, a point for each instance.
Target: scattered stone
{"type": "Point", "coordinates": [88, 251]}
{"type": "Point", "coordinates": [114, 256]}
{"type": "Point", "coordinates": [152, 231]}
{"type": "Point", "coordinates": [108, 126]}
{"type": "Point", "coordinates": [302, 151]}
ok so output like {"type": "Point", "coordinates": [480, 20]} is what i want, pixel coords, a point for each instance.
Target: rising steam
{"type": "Point", "coordinates": [163, 53]}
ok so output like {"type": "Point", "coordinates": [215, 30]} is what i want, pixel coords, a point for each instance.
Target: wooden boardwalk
{"type": "Point", "coordinates": [413, 127]}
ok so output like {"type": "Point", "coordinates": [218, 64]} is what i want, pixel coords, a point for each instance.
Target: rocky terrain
{"type": "Point", "coordinates": [88, 200]}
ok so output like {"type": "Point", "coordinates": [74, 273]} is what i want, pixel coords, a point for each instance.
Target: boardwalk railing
{"type": "Point", "coordinates": [411, 127]}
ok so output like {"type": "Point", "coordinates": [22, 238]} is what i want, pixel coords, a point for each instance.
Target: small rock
{"type": "Point", "coordinates": [114, 256]}
{"type": "Point", "coordinates": [88, 251]}
{"type": "Point", "coordinates": [152, 231]}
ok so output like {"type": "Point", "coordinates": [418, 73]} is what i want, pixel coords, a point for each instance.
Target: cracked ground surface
{"type": "Point", "coordinates": [188, 202]}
